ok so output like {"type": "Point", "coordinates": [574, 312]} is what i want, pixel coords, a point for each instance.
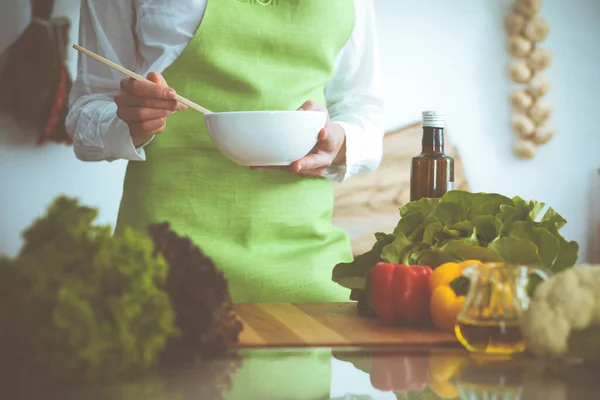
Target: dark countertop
{"type": "Point", "coordinates": [352, 374]}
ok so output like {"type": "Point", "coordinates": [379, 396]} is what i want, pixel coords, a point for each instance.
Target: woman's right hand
{"type": "Point", "coordinates": [144, 106]}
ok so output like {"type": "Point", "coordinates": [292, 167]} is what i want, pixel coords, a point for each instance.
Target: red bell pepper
{"type": "Point", "coordinates": [401, 293]}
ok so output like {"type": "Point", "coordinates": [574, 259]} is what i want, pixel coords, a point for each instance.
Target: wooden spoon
{"type": "Point", "coordinates": [138, 77]}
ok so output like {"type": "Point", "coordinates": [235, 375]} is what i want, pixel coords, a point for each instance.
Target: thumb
{"type": "Point", "coordinates": [157, 78]}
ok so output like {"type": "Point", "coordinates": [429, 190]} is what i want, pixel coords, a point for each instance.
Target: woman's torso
{"type": "Point", "coordinates": [270, 231]}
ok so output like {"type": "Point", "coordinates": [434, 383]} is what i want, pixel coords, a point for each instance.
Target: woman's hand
{"type": "Point", "coordinates": [330, 149]}
{"type": "Point", "coordinates": [144, 106]}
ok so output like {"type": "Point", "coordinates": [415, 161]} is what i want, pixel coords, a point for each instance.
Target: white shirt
{"type": "Point", "coordinates": [159, 34]}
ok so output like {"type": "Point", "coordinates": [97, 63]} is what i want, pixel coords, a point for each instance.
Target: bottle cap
{"type": "Point", "coordinates": [433, 119]}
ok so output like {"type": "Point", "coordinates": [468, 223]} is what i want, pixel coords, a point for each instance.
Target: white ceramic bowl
{"type": "Point", "coordinates": [265, 138]}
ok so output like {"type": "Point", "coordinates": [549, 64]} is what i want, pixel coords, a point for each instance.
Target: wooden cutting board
{"type": "Point", "coordinates": [325, 325]}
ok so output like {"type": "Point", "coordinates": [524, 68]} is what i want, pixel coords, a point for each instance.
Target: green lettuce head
{"type": "Point", "coordinates": [91, 305]}
{"type": "Point", "coordinates": [464, 226]}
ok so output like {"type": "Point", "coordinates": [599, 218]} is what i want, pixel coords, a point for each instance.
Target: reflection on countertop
{"type": "Point", "coordinates": [352, 374]}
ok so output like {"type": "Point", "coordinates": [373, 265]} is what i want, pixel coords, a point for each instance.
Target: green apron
{"type": "Point", "coordinates": [269, 231]}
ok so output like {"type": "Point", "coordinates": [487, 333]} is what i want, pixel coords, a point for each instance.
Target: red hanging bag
{"type": "Point", "coordinates": [35, 78]}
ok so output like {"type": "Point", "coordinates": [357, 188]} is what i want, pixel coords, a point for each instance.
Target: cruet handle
{"type": "Point", "coordinates": [541, 273]}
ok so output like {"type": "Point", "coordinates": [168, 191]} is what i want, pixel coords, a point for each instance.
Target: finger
{"type": "Point", "coordinates": [327, 142]}
{"type": "Point", "coordinates": [147, 89]}
{"type": "Point", "coordinates": [157, 78]}
{"type": "Point", "coordinates": [311, 106]}
{"type": "Point", "coordinates": [316, 161]}
{"type": "Point", "coordinates": [123, 99]}
{"type": "Point", "coordinates": [149, 127]}
{"type": "Point", "coordinates": [140, 114]}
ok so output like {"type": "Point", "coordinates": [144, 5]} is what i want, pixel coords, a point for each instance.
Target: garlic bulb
{"type": "Point", "coordinates": [522, 125]}
{"type": "Point", "coordinates": [530, 121]}
{"type": "Point", "coordinates": [539, 59]}
{"type": "Point", "coordinates": [520, 100]}
{"type": "Point", "coordinates": [519, 71]}
{"type": "Point", "coordinates": [529, 8]}
{"type": "Point", "coordinates": [514, 24]}
{"type": "Point", "coordinates": [543, 134]}
{"type": "Point", "coordinates": [536, 29]}
{"type": "Point", "coordinates": [538, 86]}
{"type": "Point", "coordinates": [524, 149]}
{"type": "Point", "coordinates": [518, 46]}
{"type": "Point", "coordinates": [540, 112]}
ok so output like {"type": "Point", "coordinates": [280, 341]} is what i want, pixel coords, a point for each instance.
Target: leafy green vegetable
{"type": "Point", "coordinates": [461, 226]}
{"type": "Point", "coordinates": [433, 257]}
{"type": "Point", "coordinates": [434, 233]}
{"type": "Point", "coordinates": [90, 305]}
{"type": "Point", "coordinates": [15, 353]}
{"type": "Point", "coordinates": [567, 256]}
{"type": "Point", "coordinates": [517, 251]}
{"type": "Point", "coordinates": [461, 250]}
{"type": "Point", "coordinates": [488, 227]}
{"type": "Point", "coordinates": [548, 245]}
{"type": "Point", "coordinates": [351, 275]}
{"type": "Point", "coordinates": [81, 305]}
{"type": "Point", "coordinates": [392, 251]}
{"type": "Point", "coordinates": [199, 294]}
{"type": "Point", "coordinates": [552, 220]}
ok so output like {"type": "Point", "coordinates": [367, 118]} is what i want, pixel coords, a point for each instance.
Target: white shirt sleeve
{"type": "Point", "coordinates": [134, 33]}
{"type": "Point", "coordinates": [110, 28]}
{"type": "Point", "coordinates": [105, 28]}
{"type": "Point", "coordinates": [355, 97]}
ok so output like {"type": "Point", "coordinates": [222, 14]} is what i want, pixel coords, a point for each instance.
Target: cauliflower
{"type": "Point", "coordinates": [566, 305]}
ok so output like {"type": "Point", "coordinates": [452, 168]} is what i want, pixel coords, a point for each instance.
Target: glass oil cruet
{"type": "Point", "coordinates": [490, 319]}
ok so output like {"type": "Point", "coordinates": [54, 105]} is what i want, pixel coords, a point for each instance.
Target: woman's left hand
{"type": "Point", "coordinates": [329, 150]}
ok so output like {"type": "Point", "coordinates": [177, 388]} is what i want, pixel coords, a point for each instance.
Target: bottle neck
{"type": "Point", "coordinates": [433, 140]}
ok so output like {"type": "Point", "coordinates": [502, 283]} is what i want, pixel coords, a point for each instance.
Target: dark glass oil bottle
{"type": "Point", "coordinates": [432, 171]}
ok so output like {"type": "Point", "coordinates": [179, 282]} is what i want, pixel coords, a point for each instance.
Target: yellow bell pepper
{"type": "Point", "coordinates": [442, 368]}
{"type": "Point", "coordinates": [445, 304]}
{"type": "Point", "coordinates": [444, 389]}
